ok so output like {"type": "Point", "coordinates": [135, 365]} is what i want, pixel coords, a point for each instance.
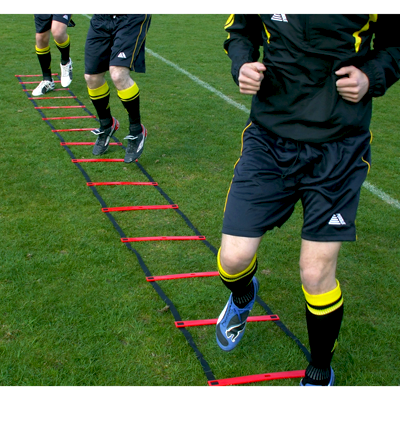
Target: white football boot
{"type": "Point", "coordinates": [44, 87]}
{"type": "Point", "coordinates": [66, 73]}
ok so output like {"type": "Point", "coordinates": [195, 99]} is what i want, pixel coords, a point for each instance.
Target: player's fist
{"type": "Point", "coordinates": [250, 77]}
{"type": "Point", "coordinates": [353, 85]}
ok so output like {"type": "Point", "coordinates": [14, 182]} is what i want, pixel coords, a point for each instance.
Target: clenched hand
{"type": "Point", "coordinates": [354, 86]}
{"type": "Point", "coordinates": [250, 77]}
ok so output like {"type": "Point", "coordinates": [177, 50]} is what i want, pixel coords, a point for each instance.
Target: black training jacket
{"type": "Point", "coordinates": [298, 97]}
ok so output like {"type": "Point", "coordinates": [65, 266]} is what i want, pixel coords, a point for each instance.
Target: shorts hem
{"type": "Point", "coordinates": [327, 238]}
{"type": "Point", "coordinates": [239, 233]}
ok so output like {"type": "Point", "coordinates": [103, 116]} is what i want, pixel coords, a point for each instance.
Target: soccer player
{"type": "Point", "coordinates": [307, 139]}
{"type": "Point", "coordinates": [116, 43]}
{"type": "Point", "coordinates": [57, 25]}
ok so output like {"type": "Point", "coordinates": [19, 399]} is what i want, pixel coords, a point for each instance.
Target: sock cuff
{"type": "Point", "coordinates": [100, 92]}
{"type": "Point", "coordinates": [323, 304]}
{"type": "Point", "coordinates": [129, 93]}
{"type": "Point", "coordinates": [45, 50]}
{"type": "Point", "coordinates": [63, 45]}
{"type": "Point", "coordinates": [232, 278]}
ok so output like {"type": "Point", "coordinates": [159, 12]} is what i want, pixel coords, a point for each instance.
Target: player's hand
{"type": "Point", "coordinates": [250, 77]}
{"type": "Point", "coordinates": [354, 85]}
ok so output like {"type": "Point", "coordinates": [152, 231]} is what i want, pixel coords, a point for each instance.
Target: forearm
{"type": "Point", "coordinates": [243, 42]}
{"type": "Point", "coordinates": [383, 70]}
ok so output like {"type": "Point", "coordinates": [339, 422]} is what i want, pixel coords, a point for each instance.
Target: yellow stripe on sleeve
{"type": "Point", "coordinates": [356, 35]}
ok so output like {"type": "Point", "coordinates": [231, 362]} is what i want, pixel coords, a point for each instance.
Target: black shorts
{"type": "Point", "coordinates": [272, 174]}
{"type": "Point", "coordinates": [43, 22]}
{"type": "Point", "coordinates": [116, 40]}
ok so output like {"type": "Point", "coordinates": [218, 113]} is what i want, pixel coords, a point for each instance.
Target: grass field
{"type": "Point", "coordinates": [76, 308]}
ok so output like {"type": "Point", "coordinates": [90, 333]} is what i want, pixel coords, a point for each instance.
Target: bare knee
{"type": "Point", "coordinates": [318, 266]}
{"type": "Point", "coordinates": [59, 32]}
{"type": "Point", "coordinates": [94, 81]}
{"type": "Point", "coordinates": [313, 277]}
{"type": "Point", "coordinates": [42, 39]}
{"type": "Point", "coordinates": [237, 253]}
{"type": "Point", "coordinates": [121, 77]}
{"type": "Point", "coordinates": [234, 262]}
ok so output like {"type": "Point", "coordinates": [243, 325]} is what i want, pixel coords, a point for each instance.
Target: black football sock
{"type": "Point", "coordinates": [64, 50]}
{"type": "Point", "coordinates": [130, 98]}
{"type": "Point", "coordinates": [100, 98]}
{"type": "Point", "coordinates": [324, 314]}
{"type": "Point", "coordinates": [44, 57]}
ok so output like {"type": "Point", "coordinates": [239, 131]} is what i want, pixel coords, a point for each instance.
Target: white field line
{"type": "Point", "coordinates": [382, 195]}
{"type": "Point", "coordinates": [374, 190]}
{"type": "Point", "coordinates": [200, 82]}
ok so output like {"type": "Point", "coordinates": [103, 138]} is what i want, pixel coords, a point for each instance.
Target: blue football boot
{"type": "Point", "coordinates": [232, 322]}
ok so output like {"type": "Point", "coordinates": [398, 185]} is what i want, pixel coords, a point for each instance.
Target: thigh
{"type": "Point", "coordinates": [128, 48]}
{"type": "Point", "coordinates": [98, 45]}
{"type": "Point", "coordinates": [261, 196]}
{"type": "Point", "coordinates": [43, 23]}
{"type": "Point", "coordinates": [330, 193]}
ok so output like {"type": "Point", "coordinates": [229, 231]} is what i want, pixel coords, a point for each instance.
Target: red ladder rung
{"type": "Point", "coordinates": [122, 182]}
{"type": "Point", "coordinates": [178, 276]}
{"type": "Point", "coordinates": [36, 75]}
{"type": "Point", "coordinates": [213, 321]}
{"type": "Point", "coordinates": [96, 160]}
{"type": "Point", "coordinates": [161, 238]}
{"type": "Point", "coordinates": [56, 89]}
{"type": "Point", "coordinates": [69, 117]}
{"type": "Point", "coordinates": [257, 377]}
{"type": "Point", "coordinates": [74, 129]}
{"type": "Point", "coordinates": [86, 143]}
{"type": "Point", "coordinates": [33, 82]}
{"type": "Point", "coordinates": [138, 208]}
{"type": "Point", "coordinates": [59, 107]}
{"type": "Point", "coordinates": [56, 97]}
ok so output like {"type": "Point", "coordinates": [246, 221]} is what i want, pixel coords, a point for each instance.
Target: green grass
{"type": "Point", "coordinates": [76, 308]}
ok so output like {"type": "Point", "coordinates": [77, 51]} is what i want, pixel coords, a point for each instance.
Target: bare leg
{"type": "Point", "coordinates": [95, 80]}
{"type": "Point", "coordinates": [318, 265]}
{"type": "Point", "coordinates": [324, 307]}
{"type": "Point", "coordinates": [59, 32]}
{"type": "Point", "coordinates": [42, 39]}
{"type": "Point", "coordinates": [121, 77]}
{"type": "Point", "coordinates": [237, 252]}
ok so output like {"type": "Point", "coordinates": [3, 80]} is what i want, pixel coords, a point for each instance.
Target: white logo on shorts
{"type": "Point", "coordinates": [337, 219]}
{"type": "Point", "coordinates": [122, 55]}
{"type": "Point", "coordinates": [279, 17]}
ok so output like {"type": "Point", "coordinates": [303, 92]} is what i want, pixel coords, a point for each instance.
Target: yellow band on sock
{"type": "Point", "coordinates": [129, 93]}
{"type": "Point", "coordinates": [45, 50]}
{"type": "Point", "coordinates": [235, 277]}
{"type": "Point", "coordinates": [100, 92]}
{"type": "Point", "coordinates": [63, 45]}
{"type": "Point", "coordinates": [323, 304]}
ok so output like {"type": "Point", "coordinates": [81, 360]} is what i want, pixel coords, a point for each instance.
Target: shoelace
{"type": "Point", "coordinates": [131, 137]}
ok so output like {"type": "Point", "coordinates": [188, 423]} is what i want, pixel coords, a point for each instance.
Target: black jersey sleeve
{"type": "Point", "coordinates": [243, 42]}
{"type": "Point", "coordinates": [383, 64]}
